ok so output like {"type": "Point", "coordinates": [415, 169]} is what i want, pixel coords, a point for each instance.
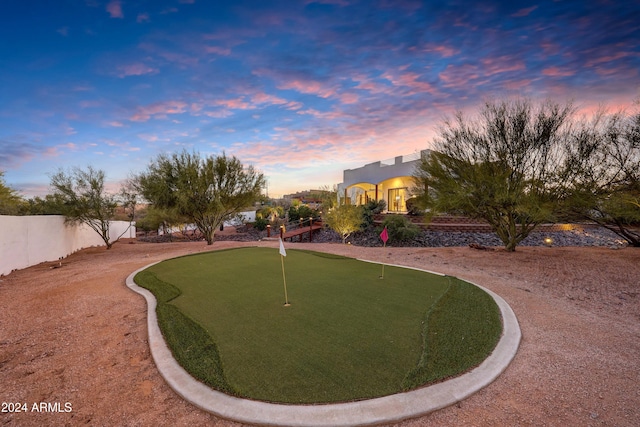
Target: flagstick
{"type": "Point", "coordinates": [382, 276]}
{"type": "Point", "coordinates": [384, 236]}
{"type": "Point", "coordinates": [284, 279]}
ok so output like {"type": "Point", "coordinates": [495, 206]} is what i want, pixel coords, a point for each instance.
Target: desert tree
{"type": "Point", "coordinates": [344, 219]}
{"type": "Point", "coordinates": [207, 191]}
{"type": "Point", "coordinates": [10, 200]}
{"type": "Point", "coordinates": [602, 164]}
{"type": "Point", "coordinates": [500, 165]}
{"type": "Point", "coordinates": [82, 198]}
{"type": "Point", "coordinates": [47, 205]}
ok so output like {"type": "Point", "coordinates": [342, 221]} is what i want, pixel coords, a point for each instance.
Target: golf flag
{"type": "Point", "coordinates": [283, 254]}
{"type": "Point", "coordinates": [384, 235]}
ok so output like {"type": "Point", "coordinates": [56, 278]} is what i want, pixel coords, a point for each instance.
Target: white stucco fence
{"type": "Point", "coordinates": [30, 240]}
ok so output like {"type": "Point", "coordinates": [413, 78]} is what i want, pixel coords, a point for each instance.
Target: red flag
{"type": "Point", "coordinates": [384, 235]}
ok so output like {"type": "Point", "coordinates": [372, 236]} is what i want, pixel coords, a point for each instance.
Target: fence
{"type": "Point", "coordinates": [30, 240]}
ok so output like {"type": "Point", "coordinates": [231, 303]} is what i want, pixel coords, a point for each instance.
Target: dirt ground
{"type": "Point", "coordinates": [75, 338]}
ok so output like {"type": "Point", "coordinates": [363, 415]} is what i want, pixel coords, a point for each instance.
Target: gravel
{"type": "Point", "coordinates": [433, 239]}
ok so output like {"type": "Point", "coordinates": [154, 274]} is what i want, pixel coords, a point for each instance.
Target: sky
{"type": "Point", "coordinates": [301, 90]}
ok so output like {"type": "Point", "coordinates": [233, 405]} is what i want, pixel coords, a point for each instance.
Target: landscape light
{"type": "Point", "coordinates": [548, 241]}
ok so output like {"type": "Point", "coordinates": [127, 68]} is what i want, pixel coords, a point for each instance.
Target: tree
{"type": "Point", "coordinates": [82, 199]}
{"type": "Point", "coordinates": [344, 219]}
{"type": "Point", "coordinates": [49, 205]}
{"type": "Point", "coordinates": [10, 200]}
{"type": "Point", "coordinates": [602, 163]}
{"type": "Point", "coordinates": [207, 191]}
{"type": "Point", "coordinates": [500, 166]}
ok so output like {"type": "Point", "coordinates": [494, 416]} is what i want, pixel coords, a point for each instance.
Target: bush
{"type": "Point", "coordinates": [400, 229]}
{"type": "Point", "coordinates": [370, 209]}
{"type": "Point", "coordinates": [301, 212]}
{"type": "Point", "coordinates": [412, 207]}
{"type": "Point", "coordinates": [344, 219]}
{"type": "Point", "coordinates": [261, 224]}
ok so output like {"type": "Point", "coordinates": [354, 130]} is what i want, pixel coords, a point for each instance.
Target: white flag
{"type": "Point", "coordinates": [282, 251]}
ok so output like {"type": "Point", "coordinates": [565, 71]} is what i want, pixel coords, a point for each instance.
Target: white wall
{"type": "Point", "coordinates": [30, 240]}
{"type": "Point", "coordinates": [247, 216]}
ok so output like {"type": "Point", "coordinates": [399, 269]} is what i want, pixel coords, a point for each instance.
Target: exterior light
{"type": "Point", "coordinates": [548, 241]}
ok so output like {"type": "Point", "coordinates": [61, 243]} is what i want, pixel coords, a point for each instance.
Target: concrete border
{"type": "Point", "coordinates": [387, 409]}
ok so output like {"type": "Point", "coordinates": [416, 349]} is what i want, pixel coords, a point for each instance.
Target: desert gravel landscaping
{"type": "Point", "coordinates": [75, 337]}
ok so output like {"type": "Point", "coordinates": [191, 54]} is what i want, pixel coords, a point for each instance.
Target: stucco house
{"type": "Point", "coordinates": [390, 181]}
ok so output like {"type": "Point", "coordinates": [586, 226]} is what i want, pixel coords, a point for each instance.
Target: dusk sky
{"type": "Point", "coordinates": [299, 89]}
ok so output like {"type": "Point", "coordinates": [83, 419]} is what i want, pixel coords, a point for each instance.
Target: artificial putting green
{"type": "Point", "coordinates": [347, 335]}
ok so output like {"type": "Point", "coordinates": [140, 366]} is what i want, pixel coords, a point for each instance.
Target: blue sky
{"type": "Point", "coordinates": [299, 89]}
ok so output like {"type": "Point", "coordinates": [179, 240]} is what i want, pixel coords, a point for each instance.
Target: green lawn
{"type": "Point", "coordinates": [347, 335]}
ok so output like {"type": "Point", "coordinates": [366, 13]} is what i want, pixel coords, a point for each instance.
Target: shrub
{"type": "Point", "coordinates": [400, 229]}
{"type": "Point", "coordinates": [370, 209]}
{"type": "Point", "coordinates": [344, 219]}
{"type": "Point", "coordinates": [412, 207]}
{"type": "Point", "coordinates": [301, 212]}
{"type": "Point", "coordinates": [261, 223]}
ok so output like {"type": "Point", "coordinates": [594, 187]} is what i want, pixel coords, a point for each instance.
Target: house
{"type": "Point", "coordinates": [388, 180]}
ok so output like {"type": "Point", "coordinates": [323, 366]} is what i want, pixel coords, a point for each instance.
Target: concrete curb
{"type": "Point", "coordinates": [387, 409]}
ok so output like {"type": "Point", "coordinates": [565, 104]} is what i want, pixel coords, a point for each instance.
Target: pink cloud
{"type": "Point", "coordinates": [410, 80]}
{"type": "Point", "coordinates": [234, 104]}
{"type": "Point", "coordinates": [557, 72]}
{"type": "Point", "coordinates": [444, 51]}
{"type": "Point", "coordinates": [179, 58]}
{"type": "Point", "coordinates": [148, 138]}
{"type": "Point", "coordinates": [90, 104]}
{"type": "Point", "coordinates": [348, 98]}
{"type": "Point", "coordinates": [309, 87]}
{"type": "Point", "coordinates": [328, 115]}
{"type": "Point", "coordinates": [59, 149]}
{"type": "Point", "coordinates": [501, 64]}
{"type": "Point", "coordinates": [124, 146]}
{"type": "Point", "coordinates": [114, 7]}
{"type": "Point", "coordinates": [217, 50]}
{"type": "Point", "coordinates": [265, 98]}
{"type": "Point", "coordinates": [219, 114]}
{"type": "Point", "coordinates": [137, 69]}
{"type": "Point", "coordinates": [143, 17]}
{"type": "Point", "coordinates": [458, 75]}
{"type": "Point", "coordinates": [365, 83]}
{"type": "Point", "coordinates": [607, 58]}
{"type": "Point", "coordinates": [517, 85]}
{"type": "Point", "coordinates": [524, 12]}
{"type": "Point", "coordinates": [550, 48]}
{"type": "Point", "coordinates": [159, 110]}
{"type": "Point", "coordinates": [294, 105]}
{"type": "Point", "coordinates": [261, 98]}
